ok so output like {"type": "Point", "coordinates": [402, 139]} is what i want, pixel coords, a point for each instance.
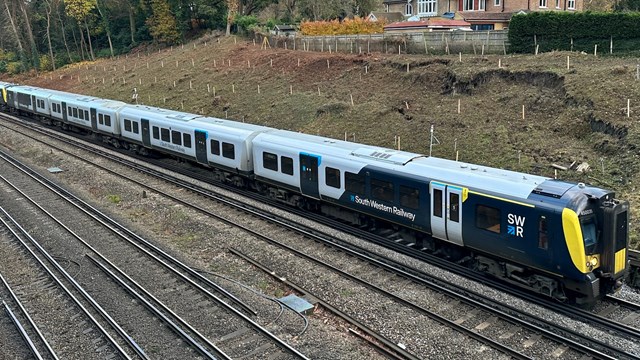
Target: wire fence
{"type": "Point", "coordinates": [434, 42]}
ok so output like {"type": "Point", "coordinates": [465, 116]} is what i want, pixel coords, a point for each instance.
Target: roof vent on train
{"type": "Point", "coordinates": [384, 155]}
{"type": "Point", "coordinates": [552, 188]}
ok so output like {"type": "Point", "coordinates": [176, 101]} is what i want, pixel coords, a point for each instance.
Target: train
{"type": "Point", "coordinates": [565, 240]}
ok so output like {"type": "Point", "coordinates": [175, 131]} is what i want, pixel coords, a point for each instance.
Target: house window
{"type": "Point", "coordinates": [571, 4]}
{"type": "Point", "coordinates": [497, 2]}
{"type": "Point", "coordinates": [482, 5]}
{"type": "Point", "coordinates": [467, 5]}
{"type": "Point", "coordinates": [270, 161]}
{"type": "Point", "coordinates": [557, 4]}
{"type": "Point", "coordinates": [332, 177]}
{"type": "Point", "coordinates": [287, 165]}
{"type": "Point", "coordinates": [428, 7]}
{"type": "Point", "coordinates": [542, 3]}
{"type": "Point", "coordinates": [408, 9]}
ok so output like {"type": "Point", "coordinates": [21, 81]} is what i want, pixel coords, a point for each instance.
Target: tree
{"type": "Point", "coordinates": [35, 56]}
{"type": "Point", "coordinates": [162, 24]}
{"type": "Point", "coordinates": [48, 10]}
{"type": "Point", "coordinates": [232, 12]}
{"type": "Point", "coordinates": [106, 24]}
{"type": "Point", "coordinates": [80, 10]}
{"type": "Point", "coordinates": [12, 21]}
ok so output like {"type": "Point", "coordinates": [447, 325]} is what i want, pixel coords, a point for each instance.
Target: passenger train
{"type": "Point", "coordinates": [564, 240]}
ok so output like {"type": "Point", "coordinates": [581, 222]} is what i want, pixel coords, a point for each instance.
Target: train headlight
{"type": "Point", "coordinates": [593, 262]}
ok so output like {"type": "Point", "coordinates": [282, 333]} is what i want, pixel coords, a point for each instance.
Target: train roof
{"type": "Point", "coordinates": [476, 177]}
{"type": "Point", "coordinates": [210, 123]}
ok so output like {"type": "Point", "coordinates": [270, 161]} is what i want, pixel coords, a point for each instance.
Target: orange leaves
{"type": "Point", "coordinates": [346, 27]}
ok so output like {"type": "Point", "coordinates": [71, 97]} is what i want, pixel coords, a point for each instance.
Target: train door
{"type": "Point", "coordinates": [64, 111]}
{"type": "Point", "coordinates": [446, 212]}
{"type": "Point", "coordinates": [309, 175]}
{"type": "Point", "coordinates": [94, 120]}
{"type": "Point", "coordinates": [146, 134]}
{"type": "Point", "coordinates": [201, 146]}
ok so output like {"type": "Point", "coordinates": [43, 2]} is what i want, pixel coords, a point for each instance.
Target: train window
{"type": "Point", "coordinates": [354, 183]}
{"type": "Point", "coordinates": [215, 147]}
{"type": "Point", "coordinates": [437, 203]}
{"type": "Point", "coordinates": [175, 137]}
{"type": "Point", "coordinates": [164, 135]}
{"type": "Point", "coordinates": [75, 112]}
{"type": "Point", "coordinates": [107, 120]}
{"type": "Point", "coordinates": [136, 129]}
{"type": "Point", "coordinates": [589, 235]}
{"type": "Point", "coordinates": [270, 161]}
{"type": "Point", "coordinates": [156, 132]}
{"type": "Point", "coordinates": [332, 177]}
{"type": "Point", "coordinates": [86, 115]}
{"type": "Point", "coordinates": [228, 150]}
{"type": "Point", "coordinates": [287, 165]}
{"type": "Point", "coordinates": [454, 207]}
{"type": "Point", "coordinates": [488, 218]}
{"type": "Point", "coordinates": [382, 190]}
{"type": "Point", "coordinates": [186, 140]}
{"type": "Point", "coordinates": [100, 119]}
{"type": "Point", "coordinates": [543, 237]}
{"type": "Point", "coordinates": [409, 197]}
{"type": "Point", "coordinates": [127, 125]}
{"type": "Point", "coordinates": [81, 115]}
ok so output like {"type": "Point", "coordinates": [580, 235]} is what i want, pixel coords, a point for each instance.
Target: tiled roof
{"type": "Point", "coordinates": [483, 15]}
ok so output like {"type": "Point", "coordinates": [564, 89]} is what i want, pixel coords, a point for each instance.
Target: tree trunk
{"type": "Point", "coordinates": [86, 25]}
{"type": "Point", "coordinates": [14, 28]}
{"type": "Point", "coordinates": [35, 56]}
{"type": "Point", "coordinates": [53, 59]}
{"type": "Point", "coordinates": [107, 26]}
{"type": "Point", "coordinates": [64, 36]}
{"type": "Point", "coordinates": [82, 44]}
{"type": "Point", "coordinates": [132, 24]}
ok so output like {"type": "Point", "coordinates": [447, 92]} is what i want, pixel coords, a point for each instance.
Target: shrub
{"type": "Point", "coordinates": [346, 27]}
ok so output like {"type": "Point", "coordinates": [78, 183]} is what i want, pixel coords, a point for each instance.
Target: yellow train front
{"type": "Point", "coordinates": [567, 241]}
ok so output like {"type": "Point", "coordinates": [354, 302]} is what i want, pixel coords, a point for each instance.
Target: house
{"type": "Point", "coordinates": [283, 30]}
{"type": "Point", "coordinates": [388, 17]}
{"type": "Point", "coordinates": [430, 24]}
{"type": "Point", "coordinates": [482, 14]}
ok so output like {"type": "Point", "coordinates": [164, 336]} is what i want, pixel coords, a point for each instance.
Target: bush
{"type": "Point", "coordinates": [580, 31]}
{"type": "Point", "coordinates": [346, 27]}
{"type": "Point", "coordinates": [15, 67]}
{"type": "Point", "coordinates": [45, 63]}
{"type": "Point", "coordinates": [246, 22]}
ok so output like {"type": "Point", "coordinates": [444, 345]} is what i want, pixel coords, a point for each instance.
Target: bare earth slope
{"type": "Point", "coordinates": [571, 115]}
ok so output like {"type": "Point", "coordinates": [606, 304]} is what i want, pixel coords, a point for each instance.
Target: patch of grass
{"type": "Point", "coordinates": [114, 199]}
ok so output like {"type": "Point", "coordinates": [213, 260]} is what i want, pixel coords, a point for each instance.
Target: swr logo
{"type": "Point", "coordinates": [516, 225]}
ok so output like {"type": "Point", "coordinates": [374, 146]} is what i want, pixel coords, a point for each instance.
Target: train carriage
{"type": "Point", "coordinates": [3, 93]}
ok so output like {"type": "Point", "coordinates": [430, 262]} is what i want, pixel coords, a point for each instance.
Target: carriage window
{"type": "Point", "coordinates": [164, 135]}
{"type": "Point", "coordinates": [488, 218]}
{"type": "Point", "coordinates": [543, 238]}
{"type": "Point", "coordinates": [382, 190]}
{"type": "Point", "coordinates": [332, 177]}
{"type": "Point", "coordinates": [287, 165]}
{"type": "Point", "coordinates": [228, 150]}
{"type": "Point", "coordinates": [136, 130]}
{"type": "Point", "coordinates": [437, 203]}
{"type": "Point", "coordinates": [156, 133]}
{"type": "Point", "coordinates": [81, 115]}
{"type": "Point", "coordinates": [100, 119]}
{"type": "Point", "coordinates": [589, 235]}
{"type": "Point", "coordinates": [186, 140]}
{"type": "Point", "coordinates": [454, 204]}
{"type": "Point", "coordinates": [215, 147]}
{"type": "Point", "coordinates": [86, 115]}
{"type": "Point", "coordinates": [175, 137]}
{"type": "Point", "coordinates": [409, 197]}
{"type": "Point", "coordinates": [354, 182]}
{"type": "Point", "coordinates": [75, 112]}
{"type": "Point", "coordinates": [107, 120]}
{"type": "Point", "coordinates": [270, 161]}
{"type": "Point", "coordinates": [127, 125]}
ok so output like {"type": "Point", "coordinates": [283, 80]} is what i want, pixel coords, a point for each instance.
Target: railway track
{"type": "Point", "coordinates": [93, 232]}
{"type": "Point", "coordinates": [558, 350]}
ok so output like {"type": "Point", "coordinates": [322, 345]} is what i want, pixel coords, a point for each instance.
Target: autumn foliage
{"type": "Point", "coordinates": [344, 27]}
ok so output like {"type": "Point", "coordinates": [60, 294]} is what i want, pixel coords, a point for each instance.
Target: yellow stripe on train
{"type": "Point", "coordinates": [621, 260]}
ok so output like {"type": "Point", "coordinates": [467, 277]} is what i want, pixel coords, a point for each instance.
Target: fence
{"type": "Point", "coordinates": [435, 42]}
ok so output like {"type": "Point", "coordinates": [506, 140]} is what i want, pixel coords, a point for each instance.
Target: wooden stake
{"type": "Point", "coordinates": [568, 62]}
{"type": "Point", "coordinates": [290, 89]}
{"type": "Point", "coordinates": [459, 106]}
{"type": "Point", "coordinates": [522, 112]}
{"type": "Point", "coordinates": [460, 56]}
{"type": "Point", "coordinates": [233, 88]}
{"type": "Point", "coordinates": [327, 63]}
{"type": "Point", "coordinates": [628, 107]}
{"type": "Point", "coordinates": [351, 96]}
{"type": "Point", "coordinates": [595, 50]}
{"type": "Point", "coordinates": [258, 89]}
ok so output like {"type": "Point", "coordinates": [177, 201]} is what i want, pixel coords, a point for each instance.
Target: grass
{"type": "Point", "coordinates": [563, 107]}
